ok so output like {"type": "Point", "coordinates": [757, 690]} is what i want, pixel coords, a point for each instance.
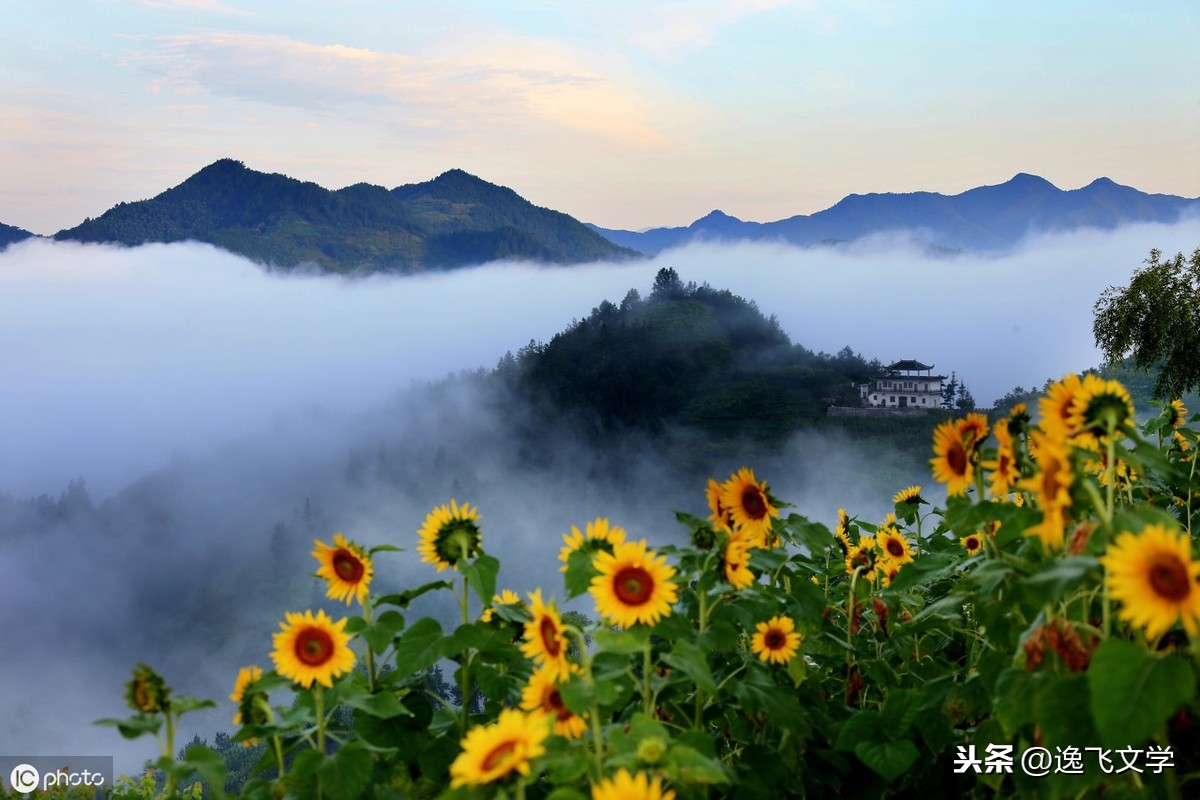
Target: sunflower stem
{"type": "Point", "coordinates": [1110, 467]}
{"type": "Point", "coordinates": [647, 699]}
{"type": "Point", "coordinates": [367, 617]}
{"type": "Point", "coordinates": [169, 749]}
{"type": "Point", "coordinates": [699, 705]}
{"type": "Point", "coordinates": [464, 603]}
{"type": "Point", "coordinates": [597, 734]}
{"type": "Point", "coordinates": [319, 702]}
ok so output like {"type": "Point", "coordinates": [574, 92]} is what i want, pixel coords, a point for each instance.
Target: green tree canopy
{"type": "Point", "coordinates": [1156, 318]}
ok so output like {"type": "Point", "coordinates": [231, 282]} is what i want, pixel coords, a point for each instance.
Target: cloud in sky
{"type": "Point", "coordinates": [498, 85]}
{"type": "Point", "coordinates": [120, 358]}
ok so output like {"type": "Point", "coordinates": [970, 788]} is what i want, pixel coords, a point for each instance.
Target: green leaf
{"type": "Point", "coordinates": [924, 570]}
{"type": "Point", "coordinates": [796, 670]}
{"type": "Point", "coordinates": [384, 705]}
{"type": "Point", "coordinates": [621, 642]}
{"type": "Point", "coordinates": [889, 759]}
{"type": "Point", "coordinates": [403, 599]}
{"type": "Point", "coordinates": [577, 694]}
{"type": "Point", "coordinates": [691, 661]}
{"type": "Point", "coordinates": [345, 774]}
{"type": "Point", "coordinates": [1134, 692]}
{"type": "Point", "coordinates": [900, 710]}
{"type": "Point", "coordinates": [690, 766]}
{"type": "Point", "coordinates": [133, 727]}
{"type": "Point", "coordinates": [416, 649]}
{"type": "Point", "coordinates": [379, 634]}
{"type": "Point", "coordinates": [1013, 701]}
{"type": "Point", "coordinates": [209, 765]}
{"type": "Point", "coordinates": [384, 548]}
{"type": "Point", "coordinates": [481, 574]}
{"type": "Point", "coordinates": [579, 574]}
{"type": "Point", "coordinates": [1064, 574]}
{"type": "Point", "coordinates": [862, 727]}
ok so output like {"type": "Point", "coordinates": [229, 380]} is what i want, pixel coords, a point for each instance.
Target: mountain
{"type": "Point", "coordinates": [454, 220]}
{"type": "Point", "coordinates": [10, 235]}
{"type": "Point", "coordinates": [987, 218]}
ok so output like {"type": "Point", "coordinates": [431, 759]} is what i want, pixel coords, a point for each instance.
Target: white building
{"type": "Point", "coordinates": [906, 384]}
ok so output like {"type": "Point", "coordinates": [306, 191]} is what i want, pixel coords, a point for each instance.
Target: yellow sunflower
{"type": "Point", "coordinates": [952, 459]}
{"type": "Point", "coordinates": [1057, 407]}
{"type": "Point", "coordinates": [507, 597]}
{"type": "Point", "coordinates": [749, 505]}
{"type": "Point", "coordinates": [1176, 413]}
{"type": "Point", "coordinates": [507, 746]}
{"type": "Point", "coordinates": [1004, 469]}
{"type": "Point", "coordinates": [634, 585]}
{"type": "Point", "coordinates": [542, 695]}
{"type": "Point", "coordinates": [776, 640]}
{"type": "Point", "coordinates": [545, 642]}
{"type": "Point", "coordinates": [720, 514]}
{"type": "Point", "coordinates": [1154, 578]}
{"type": "Point", "coordinates": [972, 429]}
{"type": "Point", "coordinates": [624, 786]}
{"type": "Point", "coordinates": [893, 546]}
{"type": "Point", "coordinates": [973, 543]}
{"type": "Point", "coordinates": [147, 692]}
{"type": "Point", "coordinates": [886, 571]}
{"type": "Point", "coordinates": [346, 568]}
{"type": "Point", "coordinates": [312, 648]}
{"type": "Point", "coordinates": [449, 534]}
{"type": "Point", "coordinates": [599, 536]}
{"type": "Point", "coordinates": [245, 677]}
{"type": "Point", "coordinates": [842, 532]}
{"type": "Point", "coordinates": [1099, 406]}
{"type": "Point", "coordinates": [1051, 486]}
{"type": "Point", "coordinates": [737, 563]}
{"type": "Point", "coordinates": [910, 496]}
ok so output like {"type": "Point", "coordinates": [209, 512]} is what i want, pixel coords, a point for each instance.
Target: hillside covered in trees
{"type": "Point", "coordinates": [453, 220]}
{"type": "Point", "coordinates": [688, 356]}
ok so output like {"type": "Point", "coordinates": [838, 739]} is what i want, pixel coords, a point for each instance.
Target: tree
{"type": "Point", "coordinates": [1157, 319]}
{"type": "Point", "coordinates": [966, 400]}
{"type": "Point", "coordinates": [950, 392]}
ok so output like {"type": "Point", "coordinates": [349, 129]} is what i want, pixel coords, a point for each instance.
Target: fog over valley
{"type": "Point", "coordinates": [194, 422]}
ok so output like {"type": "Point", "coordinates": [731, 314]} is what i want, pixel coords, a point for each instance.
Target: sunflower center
{"type": "Point", "coordinates": [774, 639]}
{"type": "Point", "coordinates": [501, 754]}
{"type": "Point", "coordinates": [972, 543]}
{"type": "Point", "coordinates": [753, 503]}
{"type": "Point", "coordinates": [313, 647]}
{"type": "Point", "coordinates": [895, 548]}
{"type": "Point", "coordinates": [633, 586]}
{"type": "Point", "coordinates": [142, 696]}
{"type": "Point", "coordinates": [1169, 579]}
{"type": "Point", "coordinates": [348, 566]}
{"type": "Point", "coordinates": [549, 633]}
{"type": "Point", "coordinates": [956, 457]}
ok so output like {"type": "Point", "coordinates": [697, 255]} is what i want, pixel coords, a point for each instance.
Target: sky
{"type": "Point", "coordinates": [625, 114]}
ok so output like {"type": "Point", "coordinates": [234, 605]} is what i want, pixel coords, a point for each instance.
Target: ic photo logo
{"type": "Point", "coordinates": [24, 778]}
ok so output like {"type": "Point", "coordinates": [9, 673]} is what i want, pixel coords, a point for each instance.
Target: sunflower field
{"type": "Point", "coordinates": [1039, 636]}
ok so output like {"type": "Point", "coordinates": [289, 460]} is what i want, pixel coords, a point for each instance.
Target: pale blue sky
{"type": "Point", "coordinates": [626, 114]}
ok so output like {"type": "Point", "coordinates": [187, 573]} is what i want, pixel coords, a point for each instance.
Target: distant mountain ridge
{"type": "Point", "coordinates": [987, 218]}
{"type": "Point", "coordinates": [10, 234]}
{"type": "Point", "coordinates": [453, 220]}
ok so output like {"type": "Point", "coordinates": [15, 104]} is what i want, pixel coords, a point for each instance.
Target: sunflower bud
{"type": "Point", "coordinates": [147, 693]}
{"type": "Point", "coordinates": [651, 749]}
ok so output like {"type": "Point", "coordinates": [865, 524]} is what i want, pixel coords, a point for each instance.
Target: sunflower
{"type": "Point", "coordinates": [841, 532]}
{"type": "Point", "coordinates": [1004, 469]}
{"type": "Point", "coordinates": [624, 786]}
{"type": "Point", "coordinates": [737, 563]}
{"type": "Point", "coordinates": [507, 597]}
{"type": "Point", "coordinates": [309, 648]}
{"type": "Point", "coordinates": [345, 567]}
{"type": "Point", "coordinates": [973, 429]}
{"type": "Point", "coordinates": [1051, 485]}
{"type": "Point", "coordinates": [542, 695]}
{"type": "Point", "coordinates": [545, 642]}
{"type": "Point", "coordinates": [908, 497]}
{"type": "Point", "coordinates": [720, 514]}
{"type": "Point", "coordinates": [449, 534]}
{"type": "Point", "coordinates": [886, 571]}
{"type": "Point", "coordinates": [147, 692]}
{"type": "Point", "coordinates": [1057, 407]}
{"type": "Point", "coordinates": [973, 543]}
{"type": "Point", "coordinates": [599, 536]}
{"type": "Point", "coordinates": [859, 556]}
{"type": "Point", "coordinates": [893, 547]}
{"type": "Point", "coordinates": [952, 459]}
{"type": "Point", "coordinates": [1100, 406]}
{"type": "Point", "coordinates": [776, 640]}
{"type": "Point", "coordinates": [749, 505]}
{"type": "Point", "coordinates": [245, 677]}
{"type": "Point", "coordinates": [1154, 578]}
{"type": "Point", "coordinates": [1175, 412]}
{"type": "Point", "coordinates": [634, 585]}
{"type": "Point", "coordinates": [492, 752]}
